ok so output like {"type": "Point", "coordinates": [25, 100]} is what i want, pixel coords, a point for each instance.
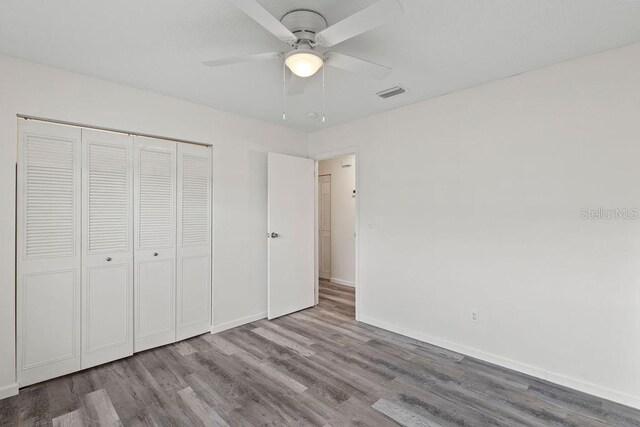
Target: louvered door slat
{"type": "Point", "coordinates": [195, 200]}
{"type": "Point", "coordinates": [157, 198]}
{"type": "Point", "coordinates": [50, 196]}
{"type": "Point", "coordinates": [109, 197]}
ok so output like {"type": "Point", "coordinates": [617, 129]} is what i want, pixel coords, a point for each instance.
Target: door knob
{"type": "Point", "coordinates": [108, 258]}
{"type": "Point", "coordinates": [155, 254]}
{"type": "Point", "coordinates": [274, 235]}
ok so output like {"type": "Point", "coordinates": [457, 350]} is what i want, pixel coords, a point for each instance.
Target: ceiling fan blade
{"type": "Point", "coordinates": [243, 58]}
{"type": "Point", "coordinates": [357, 65]}
{"type": "Point", "coordinates": [295, 85]}
{"type": "Point", "coordinates": [264, 18]}
{"type": "Point", "coordinates": [360, 22]}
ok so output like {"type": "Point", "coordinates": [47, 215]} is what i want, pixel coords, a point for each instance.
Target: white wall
{"type": "Point", "coordinates": [240, 145]}
{"type": "Point", "coordinates": [343, 208]}
{"type": "Point", "coordinates": [473, 201]}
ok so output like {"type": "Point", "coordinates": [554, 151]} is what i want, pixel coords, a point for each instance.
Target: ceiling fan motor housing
{"type": "Point", "coordinates": [304, 24]}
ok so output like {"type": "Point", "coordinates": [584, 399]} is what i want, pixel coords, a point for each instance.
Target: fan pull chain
{"type": "Point", "coordinates": [284, 91]}
{"type": "Point", "coordinates": [323, 93]}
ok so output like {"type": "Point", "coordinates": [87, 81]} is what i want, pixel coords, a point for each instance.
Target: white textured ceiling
{"type": "Point", "coordinates": [438, 46]}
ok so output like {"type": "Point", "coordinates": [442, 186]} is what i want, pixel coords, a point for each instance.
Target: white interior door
{"type": "Point", "coordinates": [48, 251]}
{"type": "Point", "coordinates": [291, 228]}
{"type": "Point", "coordinates": [194, 241]}
{"type": "Point", "coordinates": [155, 242]}
{"type": "Point", "coordinates": [324, 225]}
{"type": "Point", "coordinates": [107, 259]}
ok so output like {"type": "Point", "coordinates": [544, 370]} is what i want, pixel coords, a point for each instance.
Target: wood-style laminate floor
{"type": "Point", "coordinates": [316, 367]}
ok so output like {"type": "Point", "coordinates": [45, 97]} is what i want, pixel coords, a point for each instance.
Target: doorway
{"type": "Point", "coordinates": [336, 234]}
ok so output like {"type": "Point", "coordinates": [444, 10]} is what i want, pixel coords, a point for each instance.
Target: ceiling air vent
{"type": "Point", "coordinates": [392, 91]}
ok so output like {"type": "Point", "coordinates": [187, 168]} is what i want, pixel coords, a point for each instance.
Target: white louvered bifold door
{"type": "Point", "coordinates": [155, 247]}
{"type": "Point", "coordinates": [194, 240]}
{"type": "Point", "coordinates": [48, 251]}
{"type": "Point", "coordinates": [107, 262]}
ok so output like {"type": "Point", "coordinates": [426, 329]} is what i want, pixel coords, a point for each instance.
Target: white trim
{"type": "Point", "coordinates": [316, 240]}
{"type": "Point", "coordinates": [238, 322]}
{"type": "Point", "coordinates": [330, 155]}
{"type": "Point", "coordinates": [8, 390]}
{"type": "Point", "coordinates": [343, 282]}
{"type": "Point", "coordinates": [212, 225]}
{"type": "Point", "coordinates": [576, 384]}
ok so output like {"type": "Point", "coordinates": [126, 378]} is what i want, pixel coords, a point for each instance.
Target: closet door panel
{"type": "Point", "coordinates": [108, 306]}
{"type": "Point", "coordinates": [107, 281]}
{"type": "Point", "coordinates": [155, 237]}
{"type": "Point", "coordinates": [194, 291]}
{"type": "Point", "coordinates": [155, 303]}
{"type": "Point", "coordinates": [194, 240]}
{"type": "Point", "coordinates": [48, 251]}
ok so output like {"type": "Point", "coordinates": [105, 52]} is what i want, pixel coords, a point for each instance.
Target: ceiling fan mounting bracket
{"type": "Point", "coordinates": [304, 24]}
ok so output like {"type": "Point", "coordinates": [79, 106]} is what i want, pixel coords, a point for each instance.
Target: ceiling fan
{"type": "Point", "coordinates": [306, 30]}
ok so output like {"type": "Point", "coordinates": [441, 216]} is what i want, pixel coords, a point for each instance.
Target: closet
{"type": "Point", "coordinates": [113, 246]}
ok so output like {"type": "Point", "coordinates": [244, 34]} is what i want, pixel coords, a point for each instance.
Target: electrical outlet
{"type": "Point", "coordinates": [475, 316]}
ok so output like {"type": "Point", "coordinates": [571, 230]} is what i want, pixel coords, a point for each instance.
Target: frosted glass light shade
{"type": "Point", "coordinates": [304, 64]}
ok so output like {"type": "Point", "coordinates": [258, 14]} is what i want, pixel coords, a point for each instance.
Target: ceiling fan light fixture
{"type": "Point", "coordinates": [303, 63]}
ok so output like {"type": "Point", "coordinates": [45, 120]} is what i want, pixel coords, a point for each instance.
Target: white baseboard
{"type": "Point", "coordinates": [8, 390]}
{"type": "Point", "coordinates": [343, 282]}
{"type": "Point", "coordinates": [238, 322]}
{"type": "Point", "coordinates": [534, 371]}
